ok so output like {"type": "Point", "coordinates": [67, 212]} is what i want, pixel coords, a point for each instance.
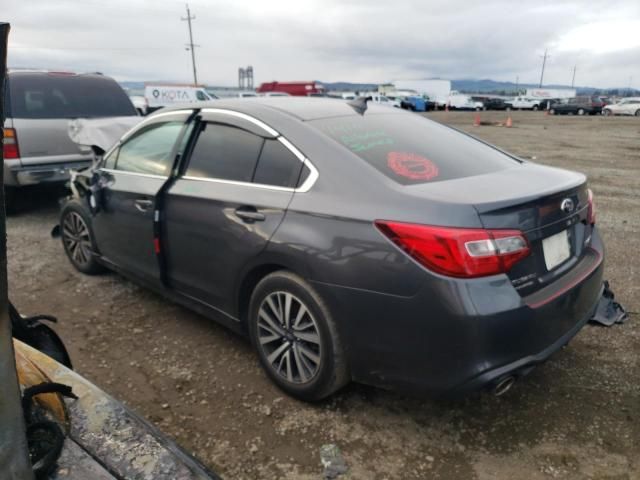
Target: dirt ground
{"type": "Point", "coordinates": [577, 416]}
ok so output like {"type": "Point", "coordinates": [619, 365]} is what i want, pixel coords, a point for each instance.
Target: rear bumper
{"type": "Point", "coordinates": [17, 175]}
{"type": "Point", "coordinates": [457, 336]}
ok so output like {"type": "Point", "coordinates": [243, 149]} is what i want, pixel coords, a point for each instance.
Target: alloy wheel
{"type": "Point", "coordinates": [76, 238]}
{"type": "Point", "coordinates": [289, 337]}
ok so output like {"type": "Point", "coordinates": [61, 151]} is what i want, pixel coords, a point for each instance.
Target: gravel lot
{"type": "Point", "coordinates": [577, 416]}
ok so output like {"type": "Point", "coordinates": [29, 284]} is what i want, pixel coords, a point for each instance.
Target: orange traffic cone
{"type": "Point", "coordinates": [509, 123]}
{"type": "Point", "coordinates": [476, 121]}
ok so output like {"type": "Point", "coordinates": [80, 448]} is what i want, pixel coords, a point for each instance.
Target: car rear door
{"type": "Point", "coordinates": [131, 176]}
{"type": "Point", "coordinates": [235, 184]}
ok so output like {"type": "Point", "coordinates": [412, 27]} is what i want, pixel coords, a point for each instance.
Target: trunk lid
{"type": "Point", "coordinates": [554, 221]}
{"type": "Point", "coordinates": [528, 198]}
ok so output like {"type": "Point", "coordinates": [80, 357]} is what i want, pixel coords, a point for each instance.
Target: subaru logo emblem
{"type": "Point", "coordinates": [567, 205]}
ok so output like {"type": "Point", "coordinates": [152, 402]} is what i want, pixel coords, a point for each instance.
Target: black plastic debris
{"type": "Point", "coordinates": [609, 312]}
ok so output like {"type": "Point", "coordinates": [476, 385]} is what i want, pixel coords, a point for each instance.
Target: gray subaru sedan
{"type": "Point", "coordinates": [349, 243]}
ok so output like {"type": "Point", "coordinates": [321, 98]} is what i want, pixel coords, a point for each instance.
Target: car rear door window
{"type": "Point", "coordinates": [410, 149]}
{"type": "Point", "coordinates": [224, 152]}
{"type": "Point", "coordinates": [277, 166]}
{"type": "Point", "coordinates": [150, 150]}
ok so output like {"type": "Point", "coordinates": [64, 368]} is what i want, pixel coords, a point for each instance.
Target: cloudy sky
{"type": "Point", "coordinates": [332, 40]}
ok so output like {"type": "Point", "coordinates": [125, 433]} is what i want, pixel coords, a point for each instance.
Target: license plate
{"type": "Point", "coordinates": [556, 249]}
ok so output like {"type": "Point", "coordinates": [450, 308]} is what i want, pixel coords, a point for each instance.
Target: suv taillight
{"type": "Point", "coordinates": [458, 252]}
{"type": "Point", "coordinates": [10, 144]}
{"type": "Point", "coordinates": [591, 213]}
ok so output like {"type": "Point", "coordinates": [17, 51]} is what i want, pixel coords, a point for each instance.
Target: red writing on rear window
{"type": "Point", "coordinates": [411, 166]}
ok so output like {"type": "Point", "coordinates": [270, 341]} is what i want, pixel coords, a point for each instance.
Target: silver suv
{"type": "Point", "coordinates": [39, 106]}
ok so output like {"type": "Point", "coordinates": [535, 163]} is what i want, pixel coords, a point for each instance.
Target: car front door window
{"type": "Point", "coordinates": [150, 150]}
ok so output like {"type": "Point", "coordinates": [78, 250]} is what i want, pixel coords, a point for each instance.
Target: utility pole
{"type": "Point", "coordinates": [191, 45]}
{"type": "Point", "coordinates": [544, 62]}
{"type": "Point", "coordinates": [573, 77]}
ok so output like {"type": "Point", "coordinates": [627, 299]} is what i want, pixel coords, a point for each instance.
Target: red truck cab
{"type": "Point", "coordinates": [298, 89]}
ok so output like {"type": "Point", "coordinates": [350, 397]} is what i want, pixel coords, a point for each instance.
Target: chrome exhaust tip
{"type": "Point", "coordinates": [503, 386]}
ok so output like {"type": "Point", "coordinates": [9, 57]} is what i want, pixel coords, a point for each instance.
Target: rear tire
{"type": "Point", "coordinates": [637, 114]}
{"type": "Point", "coordinates": [535, 108]}
{"type": "Point", "coordinates": [552, 111]}
{"type": "Point", "coordinates": [78, 240]}
{"type": "Point", "coordinates": [296, 338]}
{"type": "Point", "coordinates": [581, 111]}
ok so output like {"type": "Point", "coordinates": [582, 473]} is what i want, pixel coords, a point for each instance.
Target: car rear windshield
{"type": "Point", "coordinates": [410, 149]}
{"type": "Point", "coordinates": [66, 96]}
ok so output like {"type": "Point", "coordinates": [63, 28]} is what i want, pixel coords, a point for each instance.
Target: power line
{"type": "Point", "coordinates": [191, 45]}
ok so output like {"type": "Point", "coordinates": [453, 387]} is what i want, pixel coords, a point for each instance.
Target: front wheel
{"type": "Point", "coordinates": [77, 239]}
{"type": "Point", "coordinates": [296, 338]}
{"type": "Point", "coordinates": [552, 111]}
{"type": "Point", "coordinates": [637, 114]}
{"type": "Point", "coordinates": [535, 108]}
{"type": "Point", "coordinates": [606, 112]}
{"type": "Point", "coordinates": [581, 111]}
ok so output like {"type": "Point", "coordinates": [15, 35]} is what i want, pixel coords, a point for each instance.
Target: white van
{"type": "Point", "coordinates": [159, 96]}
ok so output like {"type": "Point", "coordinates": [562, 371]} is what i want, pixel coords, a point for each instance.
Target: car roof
{"type": "Point", "coordinates": [302, 108]}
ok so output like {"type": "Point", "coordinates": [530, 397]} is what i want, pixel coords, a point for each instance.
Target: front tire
{"type": "Point", "coordinates": [78, 239]}
{"type": "Point", "coordinates": [296, 338]}
{"type": "Point", "coordinates": [552, 111]}
{"type": "Point", "coordinates": [606, 112]}
{"type": "Point", "coordinates": [637, 114]}
{"type": "Point", "coordinates": [581, 111]}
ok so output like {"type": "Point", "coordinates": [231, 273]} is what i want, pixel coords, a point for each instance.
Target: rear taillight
{"type": "Point", "coordinates": [591, 213]}
{"type": "Point", "coordinates": [10, 144]}
{"type": "Point", "coordinates": [458, 252]}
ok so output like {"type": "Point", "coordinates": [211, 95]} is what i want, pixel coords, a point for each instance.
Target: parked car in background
{"type": "Point", "coordinates": [140, 103]}
{"type": "Point", "coordinates": [545, 103]}
{"type": "Point", "coordinates": [626, 106]}
{"type": "Point", "coordinates": [523, 103]}
{"type": "Point", "coordinates": [460, 101]}
{"type": "Point", "coordinates": [248, 94]}
{"type": "Point", "coordinates": [490, 103]}
{"type": "Point", "coordinates": [414, 103]}
{"type": "Point", "coordinates": [383, 100]}
{"type": "Point", "coordinates": [583, 105]}
{"type": "Point", "coordinates": [159, 96]}
{"type": "Point", "coordinates": [39, 106]}
{"type": "Point", "coordinates": [349, 243]}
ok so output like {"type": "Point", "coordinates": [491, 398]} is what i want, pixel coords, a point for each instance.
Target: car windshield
{"type": "Point", "coordinates": [67, 96]}
{"type": "Point", "coordinates": [412, 150]}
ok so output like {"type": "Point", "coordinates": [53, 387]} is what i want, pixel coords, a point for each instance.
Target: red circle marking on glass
{"type": "Point", "coordinates": [412, 166]}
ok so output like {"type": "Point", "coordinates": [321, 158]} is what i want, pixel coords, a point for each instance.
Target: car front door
{"type": "Point", "coordinates": [235, 184]}
{"type": "Point", "coordinates": [131, 177]}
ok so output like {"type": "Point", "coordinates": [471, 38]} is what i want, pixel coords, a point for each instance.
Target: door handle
{"type": "Point", "coordinates": [143, 204]}
{"type": "Point", "coordinates": [249, 214]}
